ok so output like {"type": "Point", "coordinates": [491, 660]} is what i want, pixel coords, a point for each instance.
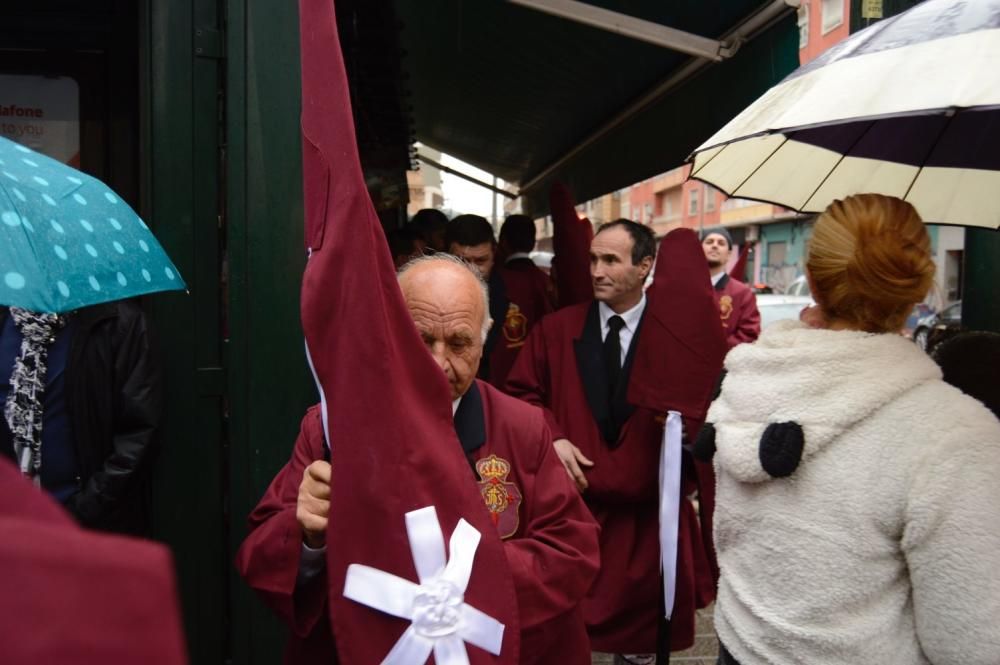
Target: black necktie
{"type": "Point", "coordinates": [613, 353]}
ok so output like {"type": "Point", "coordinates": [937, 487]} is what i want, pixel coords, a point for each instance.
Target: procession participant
{"type": "Point", "coordinates": [549, 537]}
{"type": "Point", "coordinates": [530, 295]}
{"type": "Point", "coordinates": [80, 596]}
{"type": "Point", "coordinates": [470, 238]}
{"type": "Point", "coordinates": [577, 366]}
{"type": "Point", "coordinates": [737, 303]}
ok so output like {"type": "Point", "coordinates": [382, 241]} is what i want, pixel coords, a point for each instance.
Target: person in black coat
{"type": "Point", "coordinates": [98, 413]}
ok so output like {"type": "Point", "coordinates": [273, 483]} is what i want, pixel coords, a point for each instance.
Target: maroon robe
{"type": "Point", "coordinates": [622, 608]}
{"type": "Point", "coordinates": [73, 596]}
{"type": "Point", "coordinates": [738, 311]}
{"type": "Point", "coordinates": [529, 297]}
{"type": "Point", "coordinates": [549, 537]}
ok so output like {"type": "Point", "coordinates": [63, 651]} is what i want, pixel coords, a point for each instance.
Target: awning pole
{"type": "Point", "coordinates": [465, 176]}
{"type": "Point", "coordinates": [630, 26]}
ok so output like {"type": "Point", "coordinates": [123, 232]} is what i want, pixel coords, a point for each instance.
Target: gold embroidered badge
{"type": "Point", "coordinates": [725, 306]}
{"type": "Point", "coordinates": [502, 498]}
{"type": "Point", "coordinates": [515, 327]}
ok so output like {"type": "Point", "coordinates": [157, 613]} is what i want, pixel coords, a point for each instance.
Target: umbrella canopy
{"type": "Point", "coordinates": [909, 107]}
{"type": "Point", "coordinates": [67, 241]}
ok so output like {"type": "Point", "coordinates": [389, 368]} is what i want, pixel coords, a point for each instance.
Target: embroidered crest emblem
{"type": "Point", "coordinates": [515, 327]}
{"type": "Point", "coordinates": [725, 306]}
{"type": "Point", "coordinates": [502, 498]}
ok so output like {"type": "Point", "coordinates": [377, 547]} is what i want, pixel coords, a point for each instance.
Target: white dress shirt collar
{"type": "Point", "coordinates": [631, 318]}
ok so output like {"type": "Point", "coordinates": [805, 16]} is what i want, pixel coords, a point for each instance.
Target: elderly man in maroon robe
{"type": "Point", "coordinates": [737, 303]}
{"type": "Point", "coordinates": [550, 539]}
{"type": "Point", "coordinates": [577, 366]}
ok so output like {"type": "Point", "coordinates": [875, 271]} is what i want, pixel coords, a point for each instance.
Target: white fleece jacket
{"type": "Point", "coordinates": [882, 545]}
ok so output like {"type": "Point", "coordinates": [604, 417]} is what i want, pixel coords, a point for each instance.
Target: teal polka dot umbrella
{"type": "Point", "coordinates": [68, 241]}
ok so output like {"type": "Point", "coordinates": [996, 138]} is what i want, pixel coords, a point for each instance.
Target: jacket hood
{"type": "Point", "coordinates": [796, 389]}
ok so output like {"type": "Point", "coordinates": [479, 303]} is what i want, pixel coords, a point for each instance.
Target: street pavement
{"type": "Point", "coordinates": [704, 651]}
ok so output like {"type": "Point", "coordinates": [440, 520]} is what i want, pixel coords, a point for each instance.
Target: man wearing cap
{"type": "Point", "coordinates": [737, 303]}
{"type": "Point", "coordinates": [550, 539]}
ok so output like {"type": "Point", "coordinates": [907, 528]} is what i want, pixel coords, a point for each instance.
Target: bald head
{"type": "Point", "coordinates": [449, 305]}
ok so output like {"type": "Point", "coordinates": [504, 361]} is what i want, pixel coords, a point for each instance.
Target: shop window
{"type": "Point", "coordinates": [804, 24]}
{"type": "Point", "coordinates": [833, 14]}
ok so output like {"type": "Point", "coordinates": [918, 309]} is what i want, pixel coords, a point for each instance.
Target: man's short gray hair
{"type": "Point", "coordinates": [441, 257]}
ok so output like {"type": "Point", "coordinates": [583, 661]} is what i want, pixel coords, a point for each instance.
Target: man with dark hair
{"type": "Point", "coordinates": [403, 245]}
{"type": "Point", "coordinates": [470, 237]}
{"type": "Point", "coordinates": [428, 226]}
{"type": "Point", "coordinates": [530, 295]}
{"type": "Point", "coordinates": [576, 365]}
{"type": "Point", "coordinates": [737, 303]}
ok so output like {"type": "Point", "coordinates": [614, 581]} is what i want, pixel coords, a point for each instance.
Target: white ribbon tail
{"type": "Point", "coordinates": [322, 396]}
{"type": "Point", "coordinates": [380, 590]}
{"type": "Point", "coordinates": [481, 629]}
{"type": "Point", "coordinates": [670, 498]}
{"type": "Point", "coordinates": [409, 648]}
{"type": "Point", "coordinates": [426, 543]}
{"type": "Point", "coordinates": [450, 651]}
{"type": "Point", "coordinates": [440, 622]}
{"type": "Point", "coordinates": [462, 550]}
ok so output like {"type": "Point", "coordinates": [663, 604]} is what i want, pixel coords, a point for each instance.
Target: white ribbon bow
{"type": "Point", "coordinates": [670, 504]}
{"type": "Point", "coordinates": [440, 621]}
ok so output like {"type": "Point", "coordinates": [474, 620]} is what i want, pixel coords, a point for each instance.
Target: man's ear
{"type": "Point", "coordinates": [646, 265]}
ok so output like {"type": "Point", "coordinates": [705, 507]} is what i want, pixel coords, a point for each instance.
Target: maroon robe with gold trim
{"type": "Point", "coordinates": [550, 538]}
{"type": "Point", "coordinates": [623, 606]}
{"type": "Point", "coordinates": [529, 297]}
{"type": "Point", "coordinates": [738, 311]}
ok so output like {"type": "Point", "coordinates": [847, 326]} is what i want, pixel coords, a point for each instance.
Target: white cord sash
{"type": "Point", "coordinates": [670, 498]}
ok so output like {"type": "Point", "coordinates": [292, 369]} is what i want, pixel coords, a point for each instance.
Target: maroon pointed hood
{"type": "Point", "coordinates": [739, 271]}
{"type": "Point", "coordinates": [682, 343]}
{"type": "Point", "coordinates": [571, 238]}
{"type": "Point", "coordinates": [388, 406]}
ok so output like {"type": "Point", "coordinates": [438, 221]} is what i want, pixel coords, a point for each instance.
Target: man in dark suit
{"type": "Point", "coordinates": [577, 365]}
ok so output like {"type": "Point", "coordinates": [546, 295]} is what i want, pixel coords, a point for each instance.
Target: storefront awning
{"type": "Point", "coordinates": [532, 97]}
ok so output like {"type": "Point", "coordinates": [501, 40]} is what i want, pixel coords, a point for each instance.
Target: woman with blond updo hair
{"type": "Point", "coordinates": [858, 495]}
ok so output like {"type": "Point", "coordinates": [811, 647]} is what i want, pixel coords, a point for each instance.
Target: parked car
{"type": "Point", "coordinates": [920, 311]}
{"type": "Point", "coordinates": [776, 307]}
{"type": "Point", "coordinates": [930, 328]}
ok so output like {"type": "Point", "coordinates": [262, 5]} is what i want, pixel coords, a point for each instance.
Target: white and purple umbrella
{"type": "Point", "coordinates": [908, 107]}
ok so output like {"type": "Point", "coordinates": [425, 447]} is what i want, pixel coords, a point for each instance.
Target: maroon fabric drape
{"type": "Point", "coordinates": [388, 409]}
{"type": "Point", "coordinates": [739, 271]}
{"type": "Point", "coordinates": [571, 238]}
{"type": "Point", "coordinates": [679, 359]}
{"type": "Point", "coordinates": [75, 596]}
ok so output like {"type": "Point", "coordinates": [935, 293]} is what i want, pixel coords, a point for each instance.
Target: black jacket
{"type": "Point", "coordinates": [113, 401]}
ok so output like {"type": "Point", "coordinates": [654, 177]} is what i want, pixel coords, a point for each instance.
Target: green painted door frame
{"type": "Point", "coordinates": [222, 188]}
{"type": "Point", "coordinates": [180, 143]}
{"type": "Point", "coordinates": [269, 385]}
